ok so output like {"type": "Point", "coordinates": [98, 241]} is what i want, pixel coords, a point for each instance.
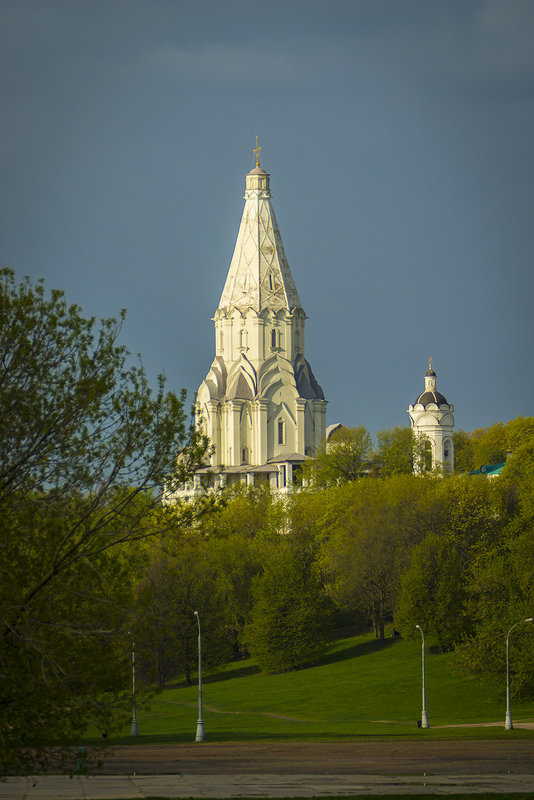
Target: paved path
{"type": "Point", "coordinates": [295, 769]}
{"type": "Point", "coordinates": [127, 787]}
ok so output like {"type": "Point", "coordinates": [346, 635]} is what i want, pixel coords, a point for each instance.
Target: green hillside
{"type": "Point", "coordinates": [361, 687]}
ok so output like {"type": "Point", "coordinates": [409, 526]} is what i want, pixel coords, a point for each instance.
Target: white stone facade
{"type": "Point", "coordinates": [432, 417]}
{"type": "Point", "coordinates": [260, 404]}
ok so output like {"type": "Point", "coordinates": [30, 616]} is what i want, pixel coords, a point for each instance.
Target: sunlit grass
{"type": "Point", "coordinates": [362, 688]}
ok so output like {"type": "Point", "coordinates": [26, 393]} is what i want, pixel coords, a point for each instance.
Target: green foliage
{"type": "Point", "coordinates": [85, 447]}
{"type": "Point", "coordinates": [399, 452]}
{"type": "Point", "coordinates": [500, 594]}
{"type": "Point", "coordinates": [240, 534]}
{"type": "Point", "coordinates": [519, 432]}
{"type": "Point", "coordinates": [245, 510]}
{"type": "Point", "coordinates": [343, 458]}
{"type": "Point", "coordinates": [176, 584]}
{"type": "Point", "coordinates": [463, 452]}
{"type": "Point", "coordinates": [403, 546]}
{"type": "Point", "coordinates": [471, 513]}
{"type": "Point", "coordinates": [286, 624]}
{"type": "Point", "coordinates": [493, 444]}
{"type": "Point", "coordinates": [306, 516]}
{"type": "Point", "coordinates": [237, 559]}
{"type": "Point", "coordinates": [368, 540]}
{"type": "Point", "coordinates": [468, 518]}
{"type": "Point", "coordinates": [349, 455]}
{"type": "Point", "coordinates": [432, 592]}
{"type": "Point", "coordinates": [518, 472]}
{"type": "Point", "coordinates": [489, 445]}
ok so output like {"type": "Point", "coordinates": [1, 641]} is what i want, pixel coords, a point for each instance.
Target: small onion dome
{"type": "Point", "coordinates": [430, 373]}
{"type": "Point", "coordinates": [431, 396]}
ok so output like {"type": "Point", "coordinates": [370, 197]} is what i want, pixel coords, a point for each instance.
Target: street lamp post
{"type": "Point", "coordinates": [508, 718]}
{"type": "Point", "coordinates": [200, 722]}
{"type": "Point", "coordinates": [424, 718]}
{"type": "Point", "coordinates": [134, 730]}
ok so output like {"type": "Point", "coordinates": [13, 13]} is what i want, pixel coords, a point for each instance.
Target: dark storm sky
{"type": "Point", "coordinates": [399, 136]}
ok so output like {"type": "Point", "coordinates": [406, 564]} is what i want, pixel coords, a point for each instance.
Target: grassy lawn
{"type": "Point", "coordinates": [360, 688]}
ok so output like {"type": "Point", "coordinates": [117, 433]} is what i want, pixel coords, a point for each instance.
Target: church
{"type": "Point", "coordinates": [260, 403]}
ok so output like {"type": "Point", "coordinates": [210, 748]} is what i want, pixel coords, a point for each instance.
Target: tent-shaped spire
{"type": "Point", "coordinates": [259, 276]}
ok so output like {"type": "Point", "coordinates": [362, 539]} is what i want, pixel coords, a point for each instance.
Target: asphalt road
{"type": "Point", "coordinates": [384, 758]}
{"type": "Point", "coordinates": [294, 769]}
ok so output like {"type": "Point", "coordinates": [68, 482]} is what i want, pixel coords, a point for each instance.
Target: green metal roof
{"type": "Point", "coordinates": [490, 470]}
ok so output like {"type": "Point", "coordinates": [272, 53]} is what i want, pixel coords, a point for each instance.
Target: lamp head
{"type": "Point", "coordinates": [195, 613]}
{"type": "Point", "coordinates": [529, 619]}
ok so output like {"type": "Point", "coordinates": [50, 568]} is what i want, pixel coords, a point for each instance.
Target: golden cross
{"type": "Point", "coordinates": [257, 150]}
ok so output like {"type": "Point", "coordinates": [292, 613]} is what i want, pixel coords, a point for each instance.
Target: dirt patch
{"type": "Point", "coordinates": [215, 710]}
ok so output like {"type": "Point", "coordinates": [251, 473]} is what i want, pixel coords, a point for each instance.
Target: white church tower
{"type": "Point", "coordinates": [260, 403]}
{"type": "Point", "coordinates": [432, 418]}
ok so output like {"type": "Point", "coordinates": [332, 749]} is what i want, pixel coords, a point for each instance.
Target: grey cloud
{"type": "Point", "coordinates": [506, 33]}
{"type": "Point", "coordinates": [227, 65]}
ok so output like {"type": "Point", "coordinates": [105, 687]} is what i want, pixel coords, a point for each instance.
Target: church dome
{"type": "Point", "coordinates": [258, 171]}
{"type": "Point", "coordinates": [431, 396]}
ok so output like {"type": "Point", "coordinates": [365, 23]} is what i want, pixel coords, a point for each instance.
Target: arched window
{"type": "Point", "coordinates": [244, 455]}
{"type": "Point", "coordinates": [281, 431]}
{"type": "Point", "coordinates": [273, 338]}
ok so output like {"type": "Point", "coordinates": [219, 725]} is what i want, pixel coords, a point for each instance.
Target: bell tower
{"type": "Point", "coordinates": [432, 418]}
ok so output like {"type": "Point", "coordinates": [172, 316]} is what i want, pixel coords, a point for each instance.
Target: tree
{"type": "Point", "coordinates": [489, 445]}
{"type": "Point", "coordinates": [399, 451]}
{"type": "Point", "coordinates": [85, 448]}
{"type": "Point", "coordinates": [468, 517]}
{"type": "Point", "coordinates": [245, 510]}
{"type": "Point", "coordinates": [517, 478]}
{"type": "Point", "coordinates": [343, 458]}
{"type": "Point", "coordinates": [519, 432]}
{"type": "Point", "coordinates": [286, 625]}
{"type": "Point", "coordinates": [180, 579]}
{"type": "Point", "coordinates": [471, 513]}
{"type": "Point", "coordinates": [240, 533]}
{"type": "Point", "coordinates": [501, 594]}
{"type": "Point", "coordinates": [433, 592]}
{"type": "Point", "coordinates": [493, 444]}
{"type": "Point", "coordinates": [368, 543]}
{"type": "Point", "coordinates": [364, 568]}
{"type": "Point", "coordinates": [463, 452]}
